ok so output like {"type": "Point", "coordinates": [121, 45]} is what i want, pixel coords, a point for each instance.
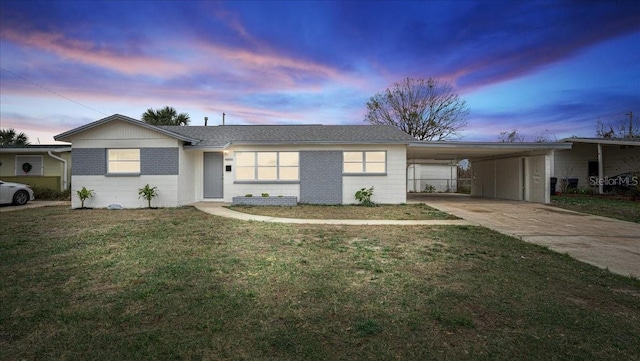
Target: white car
{"type": "Point", "coordinates": [15, 193]}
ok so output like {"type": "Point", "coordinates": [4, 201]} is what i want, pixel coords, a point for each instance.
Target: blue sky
{"type": "Point", "coordinates": [541, 67]}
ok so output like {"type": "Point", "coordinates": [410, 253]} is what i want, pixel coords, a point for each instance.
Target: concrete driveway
{"type": "Point", "coordinates": [33, 204]}
{"type": "Point", "coordinates": [600, 241]}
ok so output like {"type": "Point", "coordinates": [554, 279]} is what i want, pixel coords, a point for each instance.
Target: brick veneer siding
{"type": "Point", "coordinates": [265, 201]}
{"type": "Point", "coordinates": [89, 161]}
{"type": "Point", "coordinates": [321, 177]}
{"type": "Point", "coordinates": [159, 161]}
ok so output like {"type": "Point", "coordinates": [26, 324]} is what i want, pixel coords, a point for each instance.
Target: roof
{"type": "Point", "coordinates": [36, 148]}
{"type": "Point", "coordinates": [223, 135]}
{"type": "Point", "coordinates": [477, 150]}
{"type": "Point", "coordinates": [626, 141]}
{"type": "Point", "coordinates": [66, 135]}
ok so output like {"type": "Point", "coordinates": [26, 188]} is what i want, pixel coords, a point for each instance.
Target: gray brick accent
{"type": "Point", "coordinates": [321, 177]}
{"type": "Point", "coordinates": [265, 201]}
{"type": "Point", "coordinates": [159, 161]}
{"type": "Point", "coordinates": [89, 161]}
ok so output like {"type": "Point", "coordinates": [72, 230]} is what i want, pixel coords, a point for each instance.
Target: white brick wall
{"type": "Point", "coordinates": [124, 191]}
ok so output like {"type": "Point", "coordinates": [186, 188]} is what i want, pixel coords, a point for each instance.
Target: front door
{"type": "Point", "coordinates": [213, 175]}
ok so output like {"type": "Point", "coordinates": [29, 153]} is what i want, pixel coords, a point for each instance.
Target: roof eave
{"type": "Point", "coordinates": [318, 142]}
{"type": "Point", "coordinates": [35, 150]}
{"type": "Point", "coordinates": [492, 145]}
{"type": "Point", "coordinates": [602, 141]}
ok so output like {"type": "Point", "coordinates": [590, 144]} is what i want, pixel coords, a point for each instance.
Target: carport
{"type": "Point", "coordinates": [515, 171]}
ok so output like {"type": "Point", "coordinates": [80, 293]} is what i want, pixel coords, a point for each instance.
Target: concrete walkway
{"type": "Point", "coordinates": [218, 209]}
{"type": "Point", "coordinates": [600, 241]}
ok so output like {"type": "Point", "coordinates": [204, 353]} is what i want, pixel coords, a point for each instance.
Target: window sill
{"type": "Point", "coordinates": [364, 174]}
{"type": "Point", "coordinates": [122, 175]}
{"type": "Point", "coordinates": [267, 182]}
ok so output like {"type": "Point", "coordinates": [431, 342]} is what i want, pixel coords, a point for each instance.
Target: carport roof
{"type": "Point", "coordinates": [445, 150]}
{"type": "Point", "coordinates": [625, 141]}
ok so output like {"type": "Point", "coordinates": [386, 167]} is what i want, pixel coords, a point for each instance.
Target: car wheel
{"type": "Point", "coordinates": [20, 198]}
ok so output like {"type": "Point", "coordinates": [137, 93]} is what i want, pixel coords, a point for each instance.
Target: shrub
{"type": "Point", "coordinates": [148, 193]}
{"type": "Point", "coordinates": [84, 194]}
{"type": "Point", "coordinates": [265, 194]}
{"type": "Point", "coordinates": [364, 197]}
{"type": "Point", "coordinates": [248, 195]}
{"type": "Point", "coordinates": [48, 194]}
{"type": "Point", "coordinates": [429, 189]}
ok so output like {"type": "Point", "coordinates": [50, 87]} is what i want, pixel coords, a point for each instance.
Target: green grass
{"type": "Point", "coordinates": [181, 284]}
{"type": "Point", "coordinates": [606, 206]}
{"type": "Point", "coordinates": [387, 211]}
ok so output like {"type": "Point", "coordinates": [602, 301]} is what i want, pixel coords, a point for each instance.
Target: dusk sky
{"type": "Point", "coordinates": [552, 67]}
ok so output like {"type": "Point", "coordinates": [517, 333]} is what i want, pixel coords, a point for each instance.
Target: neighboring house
{"type": "Point", "coordinates": [594, 162]}
{"type": "Point", "coordinates": [45, 166]}
{"type": "Point", "coordinates": [317, 164]}
{"type": "Point", "coordinates": [433, 176]}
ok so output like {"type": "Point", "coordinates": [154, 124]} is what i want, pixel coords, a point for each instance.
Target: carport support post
{"type": "Point", "coordinates": [600, 170]}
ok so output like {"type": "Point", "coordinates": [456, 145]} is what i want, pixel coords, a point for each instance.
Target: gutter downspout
{"type": "Point", "coordinates": [64, 169]}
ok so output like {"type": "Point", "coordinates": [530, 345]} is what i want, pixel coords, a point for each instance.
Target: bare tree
{"type": "Point", "coordinates": [510, 136]}
{"type": "Point", "coordinates": [545, 137]}
{"type": "Point", "coordinates": [12, 138]}
{"type": "Point", "coordinates": [619, 129]}
{"type": "Point", "coordinates": [426, 109]}
{"type": "Point", "coordinates": [165, 116]}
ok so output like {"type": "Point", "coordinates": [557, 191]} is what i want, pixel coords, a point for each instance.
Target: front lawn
{"type": "Point", "coordinates": [181, 284]}
{"type": "Point", "coordinates": [606, 206]}
{"type": "Point", "coordinates": [387, 211]}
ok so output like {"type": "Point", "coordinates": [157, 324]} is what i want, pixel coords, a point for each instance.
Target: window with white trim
{"type": "Point", "coordinates": [123, 161]}
{"type": "Point", "coordinates": [267, 166]}
{"type": "Point", "coordinates": [29, 165]}
{"type": "Point", "coordinates": [365, 162]}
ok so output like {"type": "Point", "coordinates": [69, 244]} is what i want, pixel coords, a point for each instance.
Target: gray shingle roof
{"type": "Point", "coordinates": [219, 136]}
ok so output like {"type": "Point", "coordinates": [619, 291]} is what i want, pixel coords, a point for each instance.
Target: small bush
{"type": "Point", "coordinates": [265, 194]}
{"type": "Point", "coordinates": [429, 189]}
{"type": "Point", "coordinates": [48, 194]}
{"type": "Point", "coordinates": [148, 193]}
{"type": "Point", "coordinates": [364, 197]}
{"type": "Point", "coordinates": [248, 195]}
{"type": "Point", "coordinates": [84, 194]}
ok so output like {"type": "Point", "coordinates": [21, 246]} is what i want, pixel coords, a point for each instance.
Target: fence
{"type": "Point", "coordinates": [439, 185]}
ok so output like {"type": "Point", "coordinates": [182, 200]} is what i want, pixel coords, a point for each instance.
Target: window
{"type": "Point", "coordinates": [365, 162]}
{"type": "Point", "coordinates": [267, 166]}
{"type": "Point", "coordinates": [123, 161]}
{"type": "Point", "coordinates": [28, 165]}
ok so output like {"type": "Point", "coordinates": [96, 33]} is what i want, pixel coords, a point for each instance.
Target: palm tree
{"type": "Point", "coordinates": [165, 116]}
{"type": "Point", "coordinates": [10, 137]}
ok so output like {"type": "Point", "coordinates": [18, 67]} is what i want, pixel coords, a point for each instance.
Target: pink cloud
{"type": "Point", "coordinates": [89, 53]}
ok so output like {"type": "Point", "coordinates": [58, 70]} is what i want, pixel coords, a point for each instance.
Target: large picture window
{"type": "Point", "coordinates": [365, 162]}
{"type": "Point", "coordinates": [123, 161]}
{"type": "Point", "coordinates": [267, 166]}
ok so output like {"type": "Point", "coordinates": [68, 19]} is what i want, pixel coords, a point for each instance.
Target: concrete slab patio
{"type": "Point", "coordinates": [600, 241]}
